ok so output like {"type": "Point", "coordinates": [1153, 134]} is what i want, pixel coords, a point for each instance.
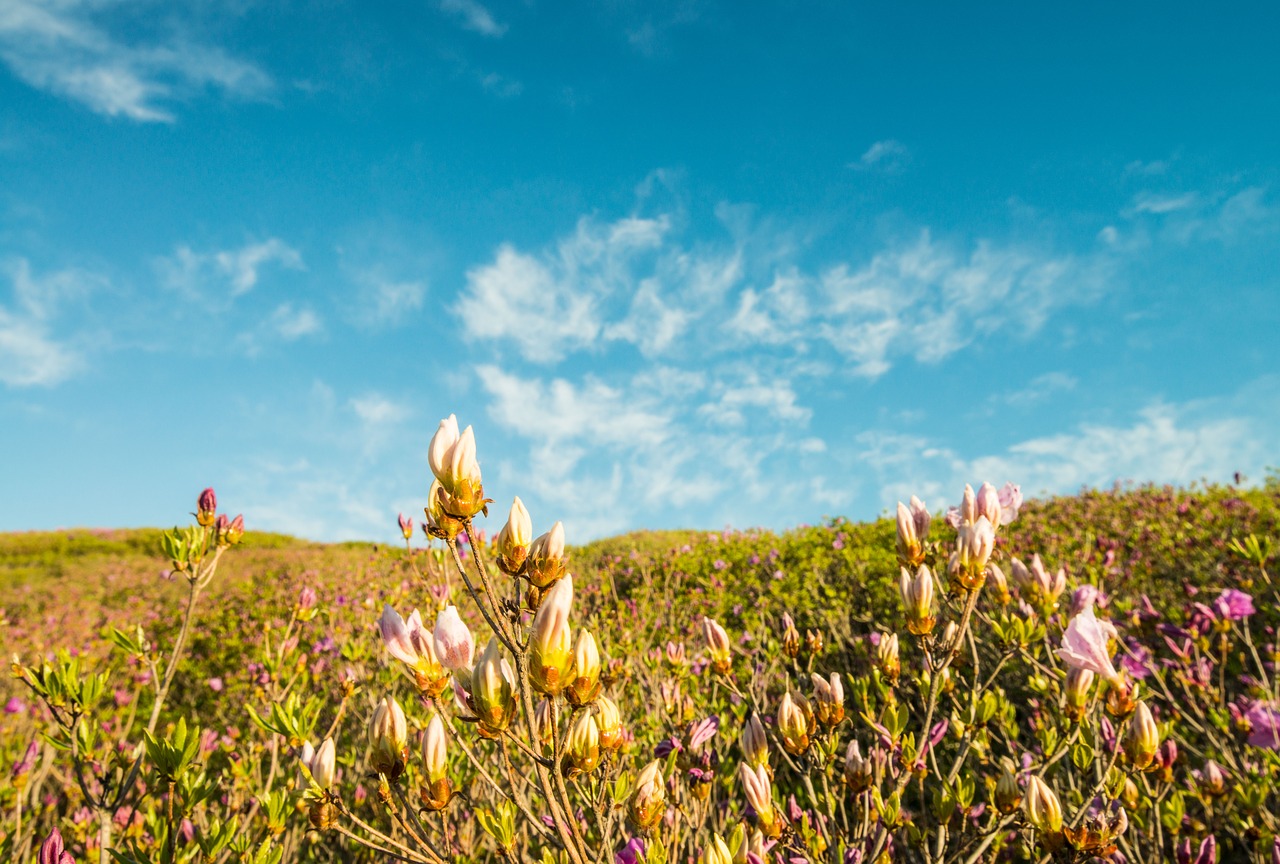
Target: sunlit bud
{"type": "Point", "coordinates": [828, 699]}
{"type": "Point", "coordinates": [206, 507]}
{"type": "Point", "coordinates": [1142, 738]}
{"type": "Point", "coordinates": [235, 530]}
{"type": "Point", "coordinates": [793, 726]}
{"type": "Point", "coordinates": [887, 657]}
{"type": "Point", "coordinates": [1212, 779]}
{"type": "Point", "coordinates": [439, 522]}
{"type": "Point", "coordinates": [949, 633]}
{"type": "Point", "coordinates": [220, 526]}
{"type": "Point", "coordinates": [996, 583]}
{"type": "Point", "coordinates": [1119, 822]}
{"type": "Point", "coordinates": [585, 684]}
{"type": "Point", "coordinates": [582, 745]}
{"type": "Point", "coordinates": [323, 763]}
{"type": "Point", "coordinates": [754, 742]}
{"type": "Point", "coordinates": [323, 815]}
{"type": "Point", "coordinates": [514, 539]}
{"type": "Point", "coordinates": [406, 526]}
{"type": "Point", "coordinates": [305, 755]}
{"type": "Point", "coordinates": [543, 725]}
{"type": "Point", "coordinates": [987, 503]}
{"type": "Point", "coordinates": [968, 506]}
{"type": "Point", "coordinates": [434, 754]}
{"type": "Point", "coordinates": [455, 646]}
{"type": "Point", "coordinates": [859, 773]}
{"type": "Point", "coordinates": [389, 737]}
{"type": "Point", "coordinates": [1076, 691]}
{"type": "Point", "coordinates": [738, 843]}
{"type": "Point", "coordinates": [493, 691]}
{"type": "Point", "coordinates": [758, 791]}
{"type": "Point", "coordinates": [917, 599]}
{"type": "Point", "coordinates": [718, 645]}
{"type": "Point", "coordinates": [910, 552]}
{"type": "Point", "coordinates": [649, 801]}
{"type": "Point", "coordinates": [1008, 797]}
{"type": "Point", "coordinates": [1045, 585]}
{"type": "Point", "coordinates": [920, 516]}
{"type": "Point", "coordinates": [716, 852]}
{"type": "Point", "coordinates": [1043, 809]}
{"type": "Point", "coordinates": [813, 641]}
{"type": "Point", "coordinates": [1085, 595]}
{"type": "Point", "coordinates": [546, 562]}
{"type": "Point", "coordinates": [441, 444]}
{"type": "Point", "coordinates": [551, 656]}
{"type": "Point", "coordinates": [609, 722]}
{"type": "Point", "coordinates": [52, 849]}
{"type": "Point", "coordinates": [975, 542]}
{"type": "Point", "coordinates": [790, 636]}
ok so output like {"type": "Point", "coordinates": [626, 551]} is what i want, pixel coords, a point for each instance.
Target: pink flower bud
{"type": "Point", "coordinates": [206, 507]}
{"type": "Point", "coordinates": [917, 599]}
{"type": "Point", "coordinates": [434, 754]}
{"type": "Point", "coordinates": [455, 645]}
{"type": "Point", "coordinates": [406, 526]}
{"type": "Point", "coordinates": [759, 793]}
{"type": "Point", "coordinates": [1084, 646]}
{"type": "Point", "coordinates": [1043, 808]}
{"type": "Point", "coordinates": [987, 503]}
{"type": "Point", "coordinates": [920, 515]}
{"type": "Point", "coordinates": [389, 737]}
{"type": "Point", "coordinates": [323, 763]}
{"type": "Point", "coordinates": [52, 850]}
{"type": "Point", "coordinates": [718, 644]}
{"type": "Point", "coordinates": [550, 643]}
{"type": "Point", "coordinates": [754, 743]}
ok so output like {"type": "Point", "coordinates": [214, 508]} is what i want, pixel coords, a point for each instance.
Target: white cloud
{"type": "Point", "coordinates": [1160, 204]}
{"type": "Point", "coordinates": [374, 409]}
{"type": "Point", "coordinates": [235, 271]}
{"type": "Point", "coordinates": [64, 48]}
{"type": "Point", "coordinates": [388, 302]}
{"type": "Point", "coordinates": [473, 16]}
{"type": "Point", "coordinates": [293, 324]}
{"type": "Point", "coordinates": [1038, 390]}
{"type": "Point", "coordinates": [887, 155]}
{"type": "Point", "coordinates": [31, 355]}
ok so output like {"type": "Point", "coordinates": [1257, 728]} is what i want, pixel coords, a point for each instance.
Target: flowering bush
{"type": "Point", "coordinates": [1092, 678]}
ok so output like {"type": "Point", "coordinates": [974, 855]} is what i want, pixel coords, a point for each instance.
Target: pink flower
{"type": "Point", "coordinates": [51, 850]}
{"type": "Point", "coordinates": [455, 645]}
{"type": "Point", "coordinates": [1234, 605]}
{"type": "Point", "coordinates": [1084, 645]}
{"type": "Point", "coordinates": [1264, 721]}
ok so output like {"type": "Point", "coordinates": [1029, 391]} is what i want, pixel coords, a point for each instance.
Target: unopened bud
{"type": "Point", "coordinates": [987, 503]}
{"type": "Point", "coordinates": [454, 644]}
{"type": "Point", "coordinates": [649, 801]}
{"type": "Point", "coordinates": [323, 763]}
{"type": "Point", "coordinates": [813, 641]}
{"type": "Point", "coordinates": [910, 550]}
{"type": "Point", "coordinates": [716, 852]}
{"type": "Point", "coordinates": [975, 542]}
{"type": "Point", "coordinates": [514, 539]}
{"type": "Point", "coordinates": [206, 507]}
{"type": "Point", "coordinates": [582, 744]}
{"type": "Point", "coordinates": [551, 656]}
{"type": "Point", "coordinates": [1076, 691]}
{"type": "Point", "coordinates": [1043, 809]}
{"type": "Point", "coordinates": [828, 699]}
{"type": "Point", "coordinates": [389, 737]}
{"type": "Point", "coordinates": [406, 526]}
{"type": "Point", "coordinates": [793, 724]}
{"type": "Point", "coordinates": [917, 600]}
{"type": "Point", "coordinates": [718, 645]}
{"type": "Point", "coordinates": [754, 742]}
{"type": "Point", "coordinates": [859, 772]}
{"type": "Point", "coordinates": [1142, 738]}
{"type": "Point", "coordinates": [887, 657]}
{"type": "Point", "coordinates": [758, 791]}
{"type": "Point", "coordinates": [1008, 797]}
{"type": "Point", "coordinates": [546, 562]}
{"type": "Point", "coordinates": [493, 691]}
{"type": "Point", "coordinates": [585, 684]}
{"type": "Point", "coordinates": [609, 722]}
{"type": "Point", "coordinates": [453, 461]}
{"type": "Point", "coordinates": [790, 636]}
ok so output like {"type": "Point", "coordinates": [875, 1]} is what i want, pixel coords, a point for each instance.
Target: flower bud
{"type": "Point", "coordinates": [582, 744]}
{"type": "Point", "coordinates": [206, 507]}
{"type": "Point", "coordinates": [546, 562]}
{"type": "Point", "coordinates": [323, 764]}
{"type": "Point", "coordinates": [793, 725]}
{"type": "Point", "coordinates": [609, 722]}
{"type": "Point", "coordinates": [649, 801]}
{"type": "Point", "coordinates": [454, 644]}
{"type": "Point", "coordinates": [453, 461]}
{"type": "Point", "coordinates": [1043, 809]}
{"type": "Point", "coordinates": [543, 725]}
{"type": "Point", "coordinates": [1008, 797]}
{"type": "Point", "coordinates": [828, 699]}
{"type": "Point", "coordinates": [910, 550]}
{"type": "Point", "coordinates": [412, 645]}
{"type": "Point", "coordinates": [859, 773]}
{"type": "Point", "coordinates": [813, 641]}
{"type": "Point", "coordinates": [1142, 738]}
{"type": "Point", "coordinates": [1208, 852]}
{"type": "Point", "coordinates": [887, 657]}
{"type": "Point", "coordinates": [52, 850]}
{"type": "Point", "coordinates": [438, 521]}
{"type": "Point", "coordinates": [389, 737]}
{"type": "Point", "coordinates": [968, 506]}
{"type": "Point", "coordinates": [975, 542]}
{"type": "Point", "coordinates": [585, 685]}
{"type": "Point", "coordinates": [434, 754]}
{"type": "Point", "coordinates": [551, 656]}
{"type": "Point", "coordinates": [997, 585]}
{"type": "Point", "coordinates": [493, 698]}
{"type": "Point", "coordinates": [514, 539]}
{"type": "Point", "coordinates": [718, 645]}
{"type": "Point", "coordinates": [220, 526]}
{"type": "Point", "coordinates": [754, 743]}
{"type": "Point", "coordinates": [234, 531]}
{"type": "Point", "coordinates": [1213, 781]}
{"type": "Point", "coordinates": [1076, 691]}
{"type": "Point", "coordinates": [759, 794]}
{"type": "Point", "coordinates": [790, 636]}
{"type": "Point", "coordinates": [917, 599]}
{"type": "Point", "coordinates": [987, 503]}
{"type": "Point", "coordinates": [716, 852]}
{"type": "Point", "coordinates": [406, 526]}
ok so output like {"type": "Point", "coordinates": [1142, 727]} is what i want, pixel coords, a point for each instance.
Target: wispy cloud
{"type": "Point", "coordinates": [1161, 203]}
{"type": "Point", "coordinates": [67, 48]}
{"type": "Point", "coordinates": [235, 271]}
{"type": "Point", "coordinates": [473, 16]}
{"type": "Point", "coordinates": [888, 155]}
{"type": "Point", "coordinates": [31, 354]}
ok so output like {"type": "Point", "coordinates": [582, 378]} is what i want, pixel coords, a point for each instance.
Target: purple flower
{"type": "Point", "coordinates": [632, 853]}
{"type": "Point", "coordinates": [51, 850]}
{"type": "Point", "coordinates": [1264, 722]}
{"type": "Point", "coordinates": [703, 731]}
{"type": "Point", "coordinates": [14, 706]}
{"type": "Point", "coordinates": [1084, 645]}
{"type": "Point", "coordinates": [1234, 605]}
{"type": "Point", "coordinates": [215, 684]}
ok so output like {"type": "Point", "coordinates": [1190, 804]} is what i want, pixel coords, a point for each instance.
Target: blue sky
{"type": "Point", "coordinates": [680, 264]}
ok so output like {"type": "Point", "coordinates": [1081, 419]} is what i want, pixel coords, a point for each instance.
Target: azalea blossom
{"type": "Point", "coordinates": [1084, 645]}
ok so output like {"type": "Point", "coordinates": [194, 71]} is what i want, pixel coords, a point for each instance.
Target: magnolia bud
{"type": "Point", "coordinates": [793, 725]}
{"type": "Point", "coordinates": [551, 656]}
{"type": "Point", "coordinates": [813, 641]}
{"type": "Point", "coordinates": [968, 506]}
{"type": "Point", "coordinates": [406, 527]}
{"type": "Point", "coordinates": [759, 794]}
{"type": "Point", "coordinates": [790, 636]}
{"type": "Point", "coordinates": [389, 737]}
{"type": "Point", "coordinates": [582, 744]}
{"type": "Point", "coordinates": [917, 599]}
{"type": "Point", "coordinates": [910, 552]}
{"type": "Point", "coordinates": [235, 530]}
{"type": "Point", "coordinates": [434, 754]}
{"type": "Point", "coordinates": [323, 763]}
{"type": "Point", "coordinates": [1008, 795]}
{"type": "Point", "coordinates": [453, 461]}
{"type": "Point", "coordinates": [887, 657]}
{"type": "Point", "coordinates": [1212, 779]}
{"type": "Point", "coordinates": [987, 503]}
{"type": "Point", "coordinates": [716, 852]}
{"type": "Point", "coordinates": [975, 542]}
{"type": "Point", "coordinates": [828, 699]}
{"type": "Point", "coordinates": [1076, 691]}
{"type": "Point", "coordinates": [544, 723]}
{"type": "Point", "coordinates": [206, 507]}
{"type": "Point", "coordinates": [52, 850]}
{"type": "Point", "coordinates": [586, 670]}
{"type": "Point", "coordinates": [649, 801]}
{"type": "Point", "coordinates": [514, 539]}
{"type": "Point", "coordinates": [859, 773]}
{"type": "Point", "coordinates": [609, 722]}
{"type": "Point", "coordinates": [1142, 738]}
{"type": "Point", "coordinates": [545, 563]}
{"type": "Point", "coordinates": [754, 742]}
{"type": "Point", "coordinates": [454, 643]}
{"type": "Point", "coordinates": [493, 691]}
{"type": "Point", "coordinates": [1043, 809]}
{"type": "Point", "coordinates": [920, 516]}
{"type": "Point", "coordinates": [718, 645]}
{"type": "Point", "coordinates": [996, 583]}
